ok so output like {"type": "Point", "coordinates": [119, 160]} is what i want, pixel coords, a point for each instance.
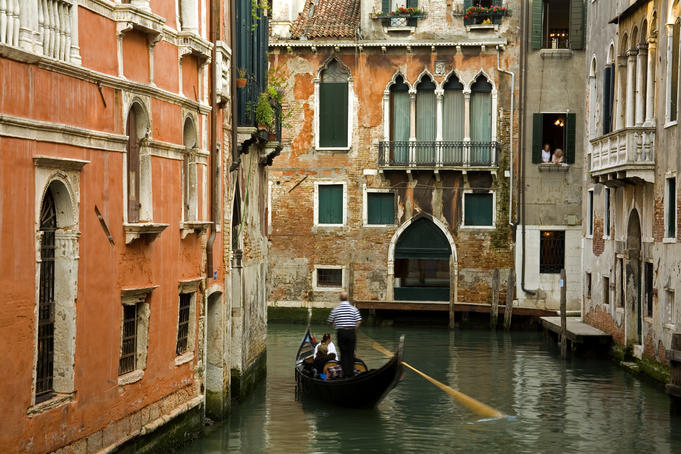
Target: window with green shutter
{"type": "Point", "coordinates": [330, 204]}
{"type": "Point", "coordinates": [558, 24]}
{"type": "Point", "coordinates": [333, 106]}
{"type": "Point", "coordinates": [478, 209]}
{"type": "Point", "coordinates": [557, 130]}
{"type": "Point", "coordinates": [380, 208]}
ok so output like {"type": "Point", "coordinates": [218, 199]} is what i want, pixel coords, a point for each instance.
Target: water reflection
{"type": "Point", "coordinates": [583, 405]}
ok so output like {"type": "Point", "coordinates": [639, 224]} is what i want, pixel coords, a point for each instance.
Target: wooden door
{"type": "Point", "coordinates": [133, 149]}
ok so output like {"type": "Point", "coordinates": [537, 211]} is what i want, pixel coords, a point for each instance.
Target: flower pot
{"type": "Point", "coordinates": [272, 137]}
{"type": "Point", "coordinates": [241, 82]}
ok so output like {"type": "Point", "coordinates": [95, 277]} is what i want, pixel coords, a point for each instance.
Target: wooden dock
{"type": "Point", "coordinates": [577, 330]}
{"type": "Point", "coordinates": [443, 306]}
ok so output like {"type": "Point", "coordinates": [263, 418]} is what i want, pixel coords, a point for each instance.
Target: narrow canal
{"type": "Point", "coordinates": [578, 406]}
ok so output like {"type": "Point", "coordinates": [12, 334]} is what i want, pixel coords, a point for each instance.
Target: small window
{"type": "Point", "coordinates": [590, 213]}
{"type": "Point", "coordinates": [330, 204]}
{"type": "Point", "coordinates": [669, 316]}
{"type": "Point", "coordinates": [622, 279]}
{"type": "Point", "coordinates": [380, 208]}
{"type": "Point", "coordinates": [552, 251]}
{"type": "Point", "coordinates": [553, 138]}
{"type": "Point", "coordinates": [606, 212]}
{"type": "Point", "coordinates": [606, 290]}
{"type": "Point", "coordinates": [587, 285]}
{"type": "Point", "coordinates": [478, 209]}
{"type": "Point", "coordinates": [558, 24]}
{"type": "Point", "coordinates": [330, 277]}
{"type": "Point", "coordinates": [183, 323]}
{"type": "Point", "coordinates": [670, 209]}
{"type": "Point", "coordinates": [128, 359]}
{"type": "Point", "coordinates": [649, 288]}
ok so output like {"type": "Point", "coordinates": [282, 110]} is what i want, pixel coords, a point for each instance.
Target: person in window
{"type": "Point", "coordinates": [546, 153]}
{"type": "Point", "coordinates": [326, 340]}
{"type": "Point", "coordinates": [558, 156]}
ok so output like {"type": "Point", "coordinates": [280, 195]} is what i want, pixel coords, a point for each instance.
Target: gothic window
{"type": "Point", "coordinates": [425, 121]}
{"type": "Point", "coordinates": [400, 109]}
{"type": "Point", "coordinates": [333, 107]}
{"type": "Point", "coordinates": [189, 171]}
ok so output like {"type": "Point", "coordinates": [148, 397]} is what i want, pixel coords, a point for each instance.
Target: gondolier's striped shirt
{"type": "Point", "coordinates": [345, 315]}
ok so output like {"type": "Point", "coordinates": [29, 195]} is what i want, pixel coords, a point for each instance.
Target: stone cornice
{"type": "Point", "coordinates": [385, 43]}
{"type": "Point", "coordinates": [52, 162]}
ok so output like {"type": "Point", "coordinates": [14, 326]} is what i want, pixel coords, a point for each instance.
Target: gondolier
{"type": "Point", "coordinates": [346, 319]}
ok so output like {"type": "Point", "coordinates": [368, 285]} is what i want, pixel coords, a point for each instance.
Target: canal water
{"type": "Point", "coordinates": [579, 406]}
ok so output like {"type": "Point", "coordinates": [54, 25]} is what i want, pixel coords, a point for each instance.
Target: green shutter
{"type": "Point", "coordinates": [333, 114]}
{"type": "Point", "coordinates": [380, 208]}
{"type": "Point", "coordinates": [385, 5]}
{"type": "Point", "coordinates": [570, 128]}
{"type": "Point", "coordinates": [478, 209]}
{"type": "Point", "coordinates": [606, 104]}
{"type": "Point", "coordinates": [537, 24]}
{"type": "Point", "coordinates": [330, 205]}
{"type": "Point", "coordinates": [412, 4]}
{"type": "Point", "coordinates": [577, 25]}
{"type": "Point", "coordinates": [537, 137]}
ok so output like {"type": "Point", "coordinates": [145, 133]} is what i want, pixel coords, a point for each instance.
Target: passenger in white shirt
{"type": "Point", "coordinates": [326, 340]}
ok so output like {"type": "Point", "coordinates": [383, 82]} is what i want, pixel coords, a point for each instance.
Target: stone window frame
{"type": "Point", "coordinates": [316, 203]}
{"type": "Point", "coordinates": [344, 283]}
{"type": "Point", "coordinates": [669, 309]}
{"type": "Point", "coordinates": [588, 283]}
{"type": "Point", "coordinates": [138, 296]}
{"type": "Point", "coordinates": [672, 21]}
{"type": "Point", "coordinates": [464, 226]}
{"type": "Point", "coordinates": [192, 287]}
{"type": "Point", "coordinates": [607, 208]}
{"type": "Point", "coordinates": [590, 213]}
{"type": "Point", "coordinates": [317, 105]}
{"type": "Point", "coordinates": [365, 206]}
{"type": "Point", "coordinates": [63, 172]}
{"type": "Point", "coordinates": [667, 197]}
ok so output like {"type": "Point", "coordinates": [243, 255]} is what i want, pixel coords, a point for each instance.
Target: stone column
{"type": "Point", "coordinates": [641, 71]}
{"type": "Point", "coordinates": [386, 115]}
{"type": "Point", "coordinates": [631, 80]}
{"type": "Point", "coordinates": [189, 13]}
{"type": "Point", "coordinates": [650, 83]}
{"type": "Point", "coordinates": [621, 93]}
{"type": "Point", "coordinates": [141, 4]}
{"type": "Point", "coordinates": [439, 95]}
{"type": "Point", "coordinates": [29, 36]}
{"type": "Point", "coordinates": [467, 114]}
{"type": "Point", "coordinates": [412, 125]}
{"type": "Point", "coordinates": [74, 51]}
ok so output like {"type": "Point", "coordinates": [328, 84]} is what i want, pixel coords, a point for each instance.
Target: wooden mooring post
{"type": "Point", "coordinates": [673, 388]}
{"type": "Point", "coordinates": [494, 313]}
{"type": "Point", "coordinates": [510, 285]}
{"type": "Point", "coordinates": [563, 315]}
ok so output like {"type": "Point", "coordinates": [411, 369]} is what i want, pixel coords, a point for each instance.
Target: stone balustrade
{"type": "Point", "coordinates": [9, 22]}
{"type": "Point", "coordinates": [627, 154]}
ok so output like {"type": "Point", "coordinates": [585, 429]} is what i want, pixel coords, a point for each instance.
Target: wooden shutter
{"type": "Point", "coordinates": [381, 208]}
{"type": "Point", "coordinates": [537, 36]}
{"type": "Point", "coordinates": [537, 137]}
{"type": "Point", "coordinates": [330, 204]}
{"type": "Point", "coordinates": [576, 25]}
{"type": "Point", "coordinates": [412, 4]}
{"type": "Point", "coordinates": [385, 6]}
{"type": "Point", "coordinates": [479, 209]}
{"type": "Point", "coordinates": [333, 114]}
{"type": "Point", "coordinates": [607, 101]}
{"type": "Point", "coordinates": [133, 168]}
{"type": "Point", "coordinates": [570, 127]}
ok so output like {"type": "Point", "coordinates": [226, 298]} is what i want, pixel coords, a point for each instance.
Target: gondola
{"type": "Point", "coordinates": [361, 391]}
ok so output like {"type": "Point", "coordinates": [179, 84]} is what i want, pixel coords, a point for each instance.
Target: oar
{"type": "Point", "coordinates": [467, 401]}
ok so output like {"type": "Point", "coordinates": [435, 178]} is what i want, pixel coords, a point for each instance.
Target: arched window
{"type": "Point", "coordinates": [189, 171]}
{"type": "Point", "coordinates": [609, 91]}
{"type": "Point", "coordinates": [46, 304]}
{"type": "Point", "coordinates": [333, 107]}
{"type": "Point", "coordinates": [400, 119]}
{"type": "Point", "coordinates": [481, 121]}
{"type": "Point", "coordinates": [135, 130]}
{"type": "Point", "coordinates": [674, 76]}
{"type": "Point", "coordinates": [593, 72]}
{"type": "Point", "coordinates": [425, 121]}
{"type": "Point", "coordinates": [453, 106]}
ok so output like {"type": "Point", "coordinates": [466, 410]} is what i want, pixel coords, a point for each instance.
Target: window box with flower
{"type": "Point", "coordinates": [484, 15]}
{"type": "Point", "coordinates": [401, 16]}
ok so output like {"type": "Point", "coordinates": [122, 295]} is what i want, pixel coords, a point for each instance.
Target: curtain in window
{"type": "Point", "coordinates": [453, 128]}
{"type": "Point", "coordinates": [425, 122]}
{"type": "Point", "coordinates": [400, 125]}
{"type": "Point", "coordinates": [481, 121]}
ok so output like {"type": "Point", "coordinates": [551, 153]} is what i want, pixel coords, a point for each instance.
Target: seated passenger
{"type": "Point", "coordinates": [321, 358]}
{"type": "Point", "coordinates": [326, 340]}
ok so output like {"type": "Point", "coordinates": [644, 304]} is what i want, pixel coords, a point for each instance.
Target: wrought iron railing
{"type": "Point", "coordinates": [432, 154]}
{"type": "Point", "coordinates": [277, 120]}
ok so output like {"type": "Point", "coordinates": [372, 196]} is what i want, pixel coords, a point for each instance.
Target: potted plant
{"type": "Point", "coordinates": [264, 112]}
{"type": "Point", "coordinates": [241, 80]}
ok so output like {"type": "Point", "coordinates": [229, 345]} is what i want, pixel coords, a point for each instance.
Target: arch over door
{"type": "Point", "coordinates": [422, 263]}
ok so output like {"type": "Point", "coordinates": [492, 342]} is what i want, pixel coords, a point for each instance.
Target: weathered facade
{"type": "Point", "coordinates": [631, 254]}
{"type": "Point", "coordinates": [394, 180]}
{"type": "Point", "coordinates": [124, 304]}
{"type": "Point", "coordinates": [548, 236]}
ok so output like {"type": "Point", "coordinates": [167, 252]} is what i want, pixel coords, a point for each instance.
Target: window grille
{"type": "Point", "coordinates": [45, 359]}
{"type": "Point", "coordinates": [552, 252]}
{"type": "Point", "coordinates": [183, 323]}
{"type": "Point", "coordinates": [329, 277]}
{"type": "Point", "coordinates": [128, 361]}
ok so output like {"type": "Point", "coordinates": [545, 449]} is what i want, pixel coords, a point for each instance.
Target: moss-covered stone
{"type": "Point", "coordinates": [218, 405]}
{"type": "Point", "coordinates": [296, 315]}
{"type": "Point", "coordinates": [244, 382]}
{"type": "Point", "coordinates": [168, 438]}
{"type": "Point", "coordinates": [644, 367]}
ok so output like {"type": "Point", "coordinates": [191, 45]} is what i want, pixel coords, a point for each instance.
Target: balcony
{"type": "Point", "coordinates": [445, 155]}
{"type": "Point", "coordinates": [626, 156]}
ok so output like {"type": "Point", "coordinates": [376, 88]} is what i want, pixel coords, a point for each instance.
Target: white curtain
{"type": "Point", "coordinates": [401, 125]}
{"type": "Point", "coordinates": [425, 126]}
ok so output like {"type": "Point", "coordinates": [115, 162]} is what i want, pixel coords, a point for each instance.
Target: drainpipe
{"type": "Point", "coordinates": [510, 164]}
{"type": "Point", "coordinates": [236, 159]}
{"type": "Point", "coordinates": [521, 184]}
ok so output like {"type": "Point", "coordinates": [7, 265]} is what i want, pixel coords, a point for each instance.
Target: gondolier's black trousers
{"type": "Point", "coordinates": [347, 339]}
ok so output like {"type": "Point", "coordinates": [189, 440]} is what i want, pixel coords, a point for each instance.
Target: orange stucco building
{"type": "Point", "coordinates": [120, 171]}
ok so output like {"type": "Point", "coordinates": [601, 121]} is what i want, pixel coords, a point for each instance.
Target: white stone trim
{"type": "Point", "coordinates": [667, 197]}
{"type": "Point", "coordinates": [343, 286]}
{"type": "Point", "coordinates": [316, 202]}
{"type": "Point", "coordinates": [365, 206]}
{"type": "Point", "coordinates": [140, 297]}
{"type": "Point", "coordinates": [489, 42]}
{"type": "Point", "coordinates": [464, 226]}
{"type": "Point", "coordinates": [191, 288]}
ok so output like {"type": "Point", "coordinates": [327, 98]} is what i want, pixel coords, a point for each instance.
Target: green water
{"type": "Point", "coordinates": [578, 406]}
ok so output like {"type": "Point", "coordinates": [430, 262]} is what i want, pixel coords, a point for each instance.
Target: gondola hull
{"type": "Point", "coordinates": [362, 391]}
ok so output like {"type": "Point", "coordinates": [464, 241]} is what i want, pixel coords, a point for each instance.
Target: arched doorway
{"type": "Point", "coordinates": [422, 262]}
{"type": "Point", "coordinates": [633, 279]}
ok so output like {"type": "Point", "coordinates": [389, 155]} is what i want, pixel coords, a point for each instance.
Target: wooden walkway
{"type": "Point", "coordinates": [577, 331]}
{"type": "Point", "coordinates": [443, 306]}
